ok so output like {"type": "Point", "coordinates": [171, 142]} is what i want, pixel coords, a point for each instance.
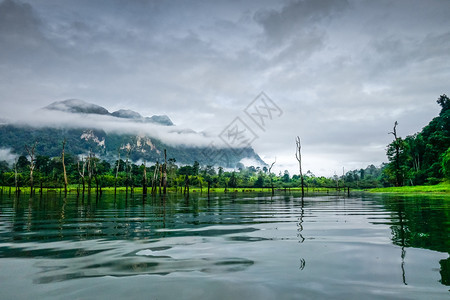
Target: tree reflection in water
{"type": "Point", "coordinates": [423, 223]}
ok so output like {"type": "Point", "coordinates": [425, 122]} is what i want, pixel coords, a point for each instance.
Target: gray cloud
{"type": "Point", "coordinates": [296, 18]}
{"type": "Point", "coordinates": [17, 21]}
{"type": "Point", "coordinates": [342, 71]}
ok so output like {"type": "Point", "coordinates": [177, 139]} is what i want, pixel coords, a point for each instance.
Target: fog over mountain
{"type": "Point", "coordinates": [83, 107]}
{"type": "Point", "coordinates": [90, 127]}
{"type": "Point", "coordinates": [75, 113]}
{"type": "Point", "coordinates": [77, 106]}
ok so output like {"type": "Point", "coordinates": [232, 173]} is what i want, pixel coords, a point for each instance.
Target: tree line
{"type": "Point", "coordinates": [424, 157]}
{"type": "Point", "coordinates": [86, 173]}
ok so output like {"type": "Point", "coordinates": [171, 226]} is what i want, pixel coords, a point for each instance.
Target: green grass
{"type": "Point", "coordinates": [72, 189]}
{"type": "Point", "coordinates": [442, 188]}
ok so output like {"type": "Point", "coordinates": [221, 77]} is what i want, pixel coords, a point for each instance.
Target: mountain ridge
{"type": "Point", "coordinates": [77, 106]}
{"type": "Point", "coordinates": [107, 144]}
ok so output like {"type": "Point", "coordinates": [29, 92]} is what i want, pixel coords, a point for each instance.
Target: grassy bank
{"type": "Point", "coordinates": [442, 188]}
{"type": "Point", "coordinates": [74, 189]}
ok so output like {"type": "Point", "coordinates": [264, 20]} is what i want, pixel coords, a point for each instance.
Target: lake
{"type": "Point", "coordinates": [228, 246]}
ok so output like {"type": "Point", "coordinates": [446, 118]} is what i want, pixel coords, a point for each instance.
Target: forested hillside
{"type": "Point", "coordinates": [422, 158]}
{"type": "Point", "coordinates": [118, 159]}
{"type": "Point", "coordinates": [108, 145]}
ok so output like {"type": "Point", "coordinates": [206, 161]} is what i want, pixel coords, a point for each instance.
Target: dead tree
{"type": "Point", "coordinates": [298, 155]}
{"type": "Point", "coordinates": [164, 177]}
{"type": "Point", "coordinates": [209, 185]}
{"type": "Point", "coordinates": [144, 181]}
{"type": "Point", "coordinates": [337, 181]}
{"type": "Point", "coordinates": [95, 172]}
{"type": "Point", "coordinates": [64, 167]}
{"type": "Point", "coordinates": [130, 178]}
{"type": "Point", "coordinates": [126, 172]}
{"type": "Point", "coordinates": [16, 185]}
{"type": "Point", "coordinates": [186, 184]}
{"type": "Point", "coordinates": [270, 176]}
{"type": "Point", "coordinates": [397, 142]}
{"type": "Point", "coordinates": [81, 172]}
{"type": "Point", "coordinates": [117, 171]}
{"type": "Point", "coordinates": [160, 178]}
{"type": "Point", "coordinates": [30, 152]}
{"type": "Point", "coordinates": [155, 178]}
{"type": "Point", "coordinates": [90, 169]}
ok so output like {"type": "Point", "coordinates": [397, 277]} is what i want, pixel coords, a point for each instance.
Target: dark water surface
{"type": "Point", "coordinates": [232, 246]}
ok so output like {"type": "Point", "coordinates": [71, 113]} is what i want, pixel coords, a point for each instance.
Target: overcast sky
{"type": "Point", "coordinates": [342, 72]}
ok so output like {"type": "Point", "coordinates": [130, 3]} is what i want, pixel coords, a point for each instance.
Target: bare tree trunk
{"type": "Point", "coordinates": [186, 184]}
{"type": "Point", "coordinates": [270, 176]}
{"type": "Point", "coordinates": [160, 178]}
{"type": "Point", "coordinates": [81, 172]}
{"type": "Point", "coordinates": [15, 177]}
{"type": "Point", "coordinates": [165, 173]}
{"type": "Point", "coordinates": [90, 169]}
{"type": "Point", "coordinates": [155, 177]}
{"type": "Point", "coordinates": [209, 185]}
{"type": "Point", "coordinates": [117, 171]}
{"type": "Point", "coordinates": [337, 182]}
{"type": "Point", "coordinates": [95, 176]}
{"type": "Point", "coordinates": [131, 179]}
{"type": "Point", "coordinates": [64, 167]}
{"type": "Point", "coordinates": [84, 186]}
{"type": "Point", "coordinates": [126, 174]}
{"type": "Point", "coordinates": [398, 176]}
{"type": "Point", "coordinates": [30, 152]}
{"type": "Point", "coordinates": [144, 181]}
{"type": "Point", "coordinates": [298, 155]}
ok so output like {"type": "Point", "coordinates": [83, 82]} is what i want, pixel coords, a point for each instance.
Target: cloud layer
{"type": "Point", "coordinates": [341, 71]}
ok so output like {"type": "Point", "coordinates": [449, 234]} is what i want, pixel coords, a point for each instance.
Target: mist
{"type": "Point", "coordinates": [8, 156]}
{"type": "Point", "coordinates": [171, 135]}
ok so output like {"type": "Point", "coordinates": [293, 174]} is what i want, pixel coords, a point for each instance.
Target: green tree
{"type": "Point", "coordinates": [259, 183]}
{"type": "Point", "coordinates": [446, 164]}
{"type": "Point", "coordinates": [22, 164]}
{"type": "Point", "coordinates": [419, 158]}
{"type": "Point", "coordinates": [286, 178]}
{"type": "Point", "coordinates": [195, 168]}
{"type": "Point", "coordinates": [397, 155]}
{"type": "Point", "coordinates": [444, 102]}
{"type": "Point", "coordinates": [233, 182]}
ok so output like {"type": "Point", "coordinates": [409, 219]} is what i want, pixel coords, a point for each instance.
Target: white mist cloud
{"type": "Point", "coordinates": [7, 155]}
{"type": "Point", "coordinates": [172, 135]}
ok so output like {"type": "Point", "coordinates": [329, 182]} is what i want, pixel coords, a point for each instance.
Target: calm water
{"type": "Point", "coordinates": [235, 246]}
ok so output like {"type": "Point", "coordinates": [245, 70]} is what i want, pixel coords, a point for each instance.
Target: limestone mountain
{"type": "Point", "coordinates": [107, 143]}
{"type": "Point", "coordinates": [78, 106]}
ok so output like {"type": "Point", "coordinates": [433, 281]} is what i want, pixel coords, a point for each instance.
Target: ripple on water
{"type": "Point", "coordinates": [288, 246]}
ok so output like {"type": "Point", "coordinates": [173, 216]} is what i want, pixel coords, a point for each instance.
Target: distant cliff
{"type": "Point", "coordinates": [106, 144]}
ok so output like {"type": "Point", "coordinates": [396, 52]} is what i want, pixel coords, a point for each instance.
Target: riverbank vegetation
{"type": "Point", "coordinates": [441, 188]}
{"type": "Point", "coordinates": [91, 174]}
{"type": "Point", "coordinates": [422, 158]}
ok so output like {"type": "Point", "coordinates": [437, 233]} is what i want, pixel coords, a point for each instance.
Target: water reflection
{"type": "Point", "coordinates": [87, 237]}
{"type": "Point", "coordinates": [421, 222]}
{"type": "Point", "coordinates": [284, 239]}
